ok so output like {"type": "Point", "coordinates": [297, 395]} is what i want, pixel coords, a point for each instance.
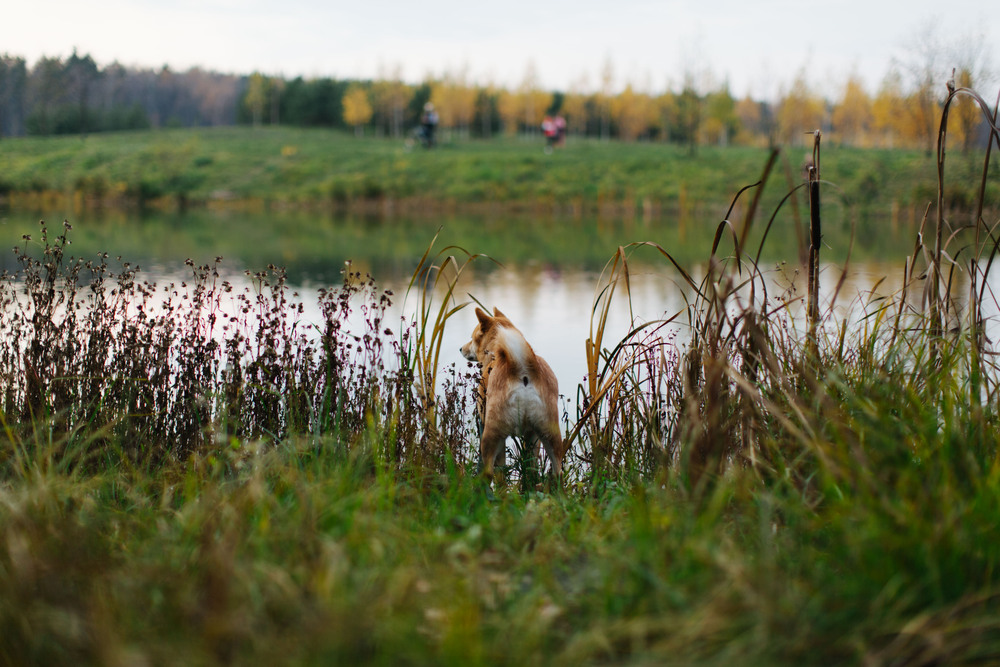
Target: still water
{"type": "Point", "coordinates": [544, 274]}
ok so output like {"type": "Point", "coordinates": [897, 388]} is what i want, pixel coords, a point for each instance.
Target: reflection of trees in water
{"type": "Point", "coordinates": [551, 266]}
{"type": "Point", "coordinates": [313, 246]}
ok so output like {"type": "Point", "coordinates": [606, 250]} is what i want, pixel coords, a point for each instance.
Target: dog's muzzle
{"type": "Point", "coordinates": [469, 351]}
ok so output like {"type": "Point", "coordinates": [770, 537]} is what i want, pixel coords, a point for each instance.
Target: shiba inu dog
{"type": "Point", "coordinates": [519, 393]}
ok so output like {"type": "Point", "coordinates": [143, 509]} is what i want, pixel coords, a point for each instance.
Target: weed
{"type": "Point", "coordinates": [155, 373]}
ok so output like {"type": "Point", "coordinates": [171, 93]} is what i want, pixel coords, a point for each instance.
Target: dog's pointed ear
{"type": "Point", "coordinates": [484, 317]}
{"type": "Point", "coordinates": [497, 313]}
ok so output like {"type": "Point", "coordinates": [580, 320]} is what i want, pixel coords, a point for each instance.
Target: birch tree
{"type": "Point", "coordinates": [357, 108]}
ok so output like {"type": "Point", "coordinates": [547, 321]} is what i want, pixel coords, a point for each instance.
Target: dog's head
{"type": "Point", "coordinates": [479, 348]}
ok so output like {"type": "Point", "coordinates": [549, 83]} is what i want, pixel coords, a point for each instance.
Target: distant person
{"type": "Point", "coordinates": [551, 133]}
{"type": "Point", "coordinates": [560, 130]}
{"type": "Point", "coordinates": [428, 125]}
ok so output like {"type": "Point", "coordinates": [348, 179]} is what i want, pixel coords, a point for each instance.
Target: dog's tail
{"type": "Point", "coordinates": [517, 355]}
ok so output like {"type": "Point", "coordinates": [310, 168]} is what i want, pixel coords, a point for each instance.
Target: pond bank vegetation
{"type": "Point", "coordinates": [191, 474]}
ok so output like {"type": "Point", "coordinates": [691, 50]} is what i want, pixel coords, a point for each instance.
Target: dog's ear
{"type": "Point", "coordinates": [484, 317]}
{"type": "Point", "coordinates": [497, 313]}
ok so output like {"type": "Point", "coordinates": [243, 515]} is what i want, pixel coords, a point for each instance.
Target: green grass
{"type": "Point", "coordinates": [797, 513]}
{"type": "Point", "coordinates": [754, 494]}
{"type": "Point", "coordinates": [320, 168]}
{"type": "Point", "coordinates": [302, 554]}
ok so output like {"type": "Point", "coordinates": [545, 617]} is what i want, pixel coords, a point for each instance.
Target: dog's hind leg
{"type": "Point", "coordinates": [554, 450]}
{"type": "Point", "coordinates": [500, 470]}
{"type": "Point", "coordinates": [491, 448]}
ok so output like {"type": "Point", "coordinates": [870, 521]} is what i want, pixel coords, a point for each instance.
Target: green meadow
{"type": "Point", "coordinates": [316, 168]}
{"type": "Point", "coordinates": [192, 475]}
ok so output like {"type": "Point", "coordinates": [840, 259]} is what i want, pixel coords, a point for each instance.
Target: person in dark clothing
{"type": "Point", "coordinates": [428, 125]}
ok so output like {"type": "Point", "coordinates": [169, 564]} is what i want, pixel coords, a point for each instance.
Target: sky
{"type": "Point", "coordinates": [758, 47]}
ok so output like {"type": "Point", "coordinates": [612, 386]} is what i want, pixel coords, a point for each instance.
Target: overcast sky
{"type": "Point", "coordinates": [758, 46]}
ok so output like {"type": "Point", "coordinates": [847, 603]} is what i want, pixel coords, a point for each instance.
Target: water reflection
{"type": "Point", "coordinates": [313, 246]}
{"type": "Point", "coordinates": [554, 307]}
{"type": "Point", "coordinates": [546, 279]}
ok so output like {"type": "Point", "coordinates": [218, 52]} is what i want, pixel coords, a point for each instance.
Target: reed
{"type": "Point", "coordinates": [435, 277]}
{"type": "Point", "coordinates": [716, 396]}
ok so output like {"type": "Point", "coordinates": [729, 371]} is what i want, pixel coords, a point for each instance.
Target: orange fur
{"type": "Point", "coordinates": [519, 393]}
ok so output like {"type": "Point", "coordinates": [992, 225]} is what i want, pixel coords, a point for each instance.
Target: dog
{"type": "Point", "coordinates": [519, 392]}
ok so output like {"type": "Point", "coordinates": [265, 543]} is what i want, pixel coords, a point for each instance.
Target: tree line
{"type": "Point", "coordinates": [75, 95]}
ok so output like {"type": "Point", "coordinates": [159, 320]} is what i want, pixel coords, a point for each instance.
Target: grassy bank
{"type": "Point", "coordinates": [261, 168]}
{"type": "Point", "coordinates": [288, 498]}
{"type": "Point", "coordinates": [192, 474]}
{"type": "Point", "coordinates": [302, 554]}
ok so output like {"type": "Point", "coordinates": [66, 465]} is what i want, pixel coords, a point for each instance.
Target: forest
{"type": "Point", "coordinates": [77, 95]}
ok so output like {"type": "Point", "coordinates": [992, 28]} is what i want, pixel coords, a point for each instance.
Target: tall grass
{"type": "Point", "coordinates": [152, 373]}
{"type": "Point", "coordinates": [434, 281]}
{"type": "Point", "coordinates": [751, 372]}
{"type": "Point", "coordinates": [194, 474]}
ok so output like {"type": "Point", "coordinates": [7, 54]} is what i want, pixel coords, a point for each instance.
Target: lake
{"type": "Point", "coordinates": [543, 273]}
